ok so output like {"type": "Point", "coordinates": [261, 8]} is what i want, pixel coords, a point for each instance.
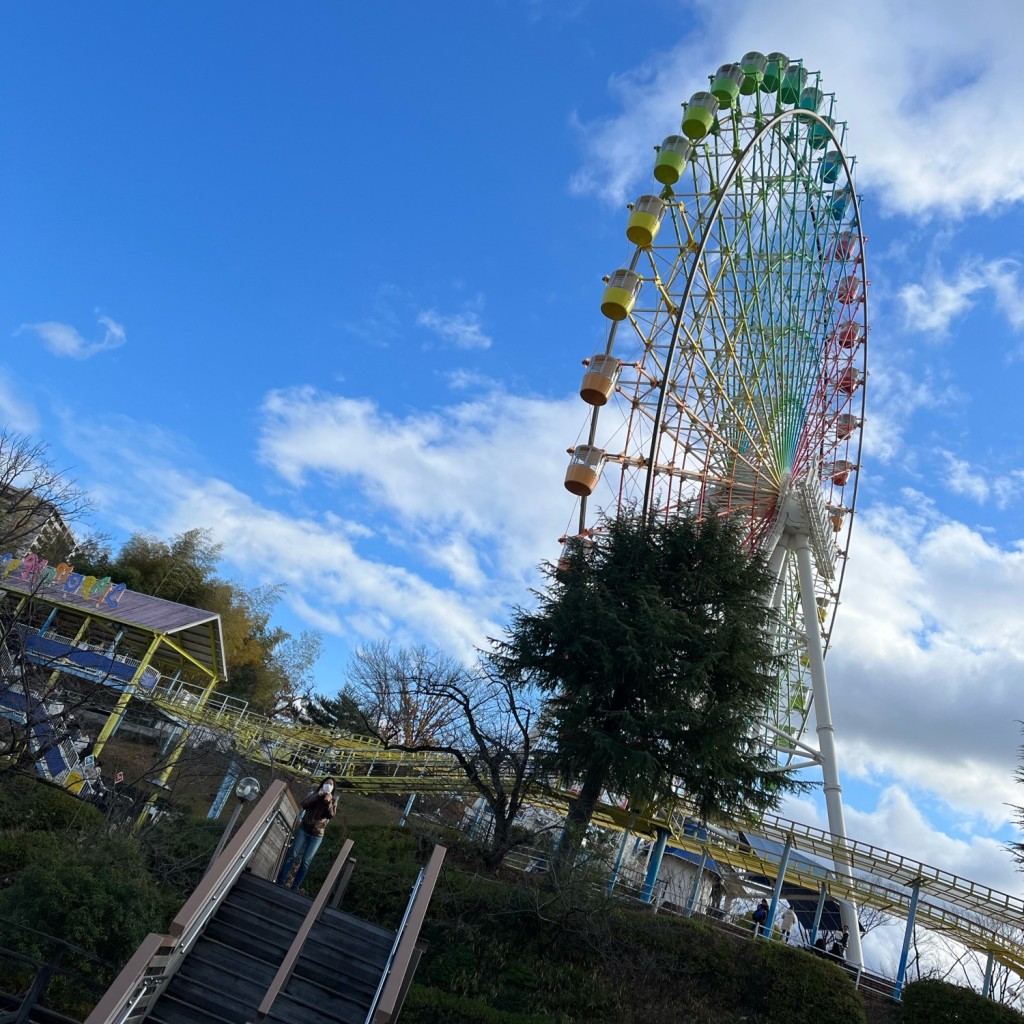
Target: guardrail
{"type": "Point", "coordinates": [63, 960]}
{"type": "Point", "coordinates": [387, 1000]}
{"type": "Point", "coordinates": [158, 958]}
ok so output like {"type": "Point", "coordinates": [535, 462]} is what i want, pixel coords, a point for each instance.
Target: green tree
{"type": "Point", "coordinates": [93, 891]}
{"type": "Point", "coordinates": [341, 714]}
{"type": "Point", "coordinates": [181, 569]}
{"type": "Point", "coordinates": [653, 647]}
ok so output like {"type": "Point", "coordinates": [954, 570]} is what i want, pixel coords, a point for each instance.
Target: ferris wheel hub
{"type": "Point", "coordinates": [802, 513]}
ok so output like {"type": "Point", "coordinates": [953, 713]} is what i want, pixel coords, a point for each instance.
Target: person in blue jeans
{"type": "Point", "coordinates": [318, 808]}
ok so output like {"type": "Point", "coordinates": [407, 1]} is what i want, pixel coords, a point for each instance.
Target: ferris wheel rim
{"type": "Point", "coordinates": [762, 132]}
{"type": "Point", "coordinates": [698, 257]}
{"type": "Point", "coordinates": [736, 395]}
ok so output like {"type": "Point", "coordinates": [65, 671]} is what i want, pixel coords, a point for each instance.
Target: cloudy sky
{"type": "Point", "coordinates": [320, 277]}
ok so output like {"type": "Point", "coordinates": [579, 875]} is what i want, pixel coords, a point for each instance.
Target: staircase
{"type": "Point", "coordinates": [243, 950]}
{"type": "Point", "coordinates": [232, 965]}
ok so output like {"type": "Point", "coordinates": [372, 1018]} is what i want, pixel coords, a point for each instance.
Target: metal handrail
{"type": "Point", "coordinates": [291, 958]}
{"type": "Point", "coordinates": [383, 1007]}
{"type": "Point", "coordinates": [157, 959]}
{"type": "Point", "coordinates": [394, 948]}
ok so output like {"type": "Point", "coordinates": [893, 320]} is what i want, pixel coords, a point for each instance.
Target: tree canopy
{"type": "Point", "coordinates": [35, 496]}
{"type": "Point", "coordinates": [653, 647]}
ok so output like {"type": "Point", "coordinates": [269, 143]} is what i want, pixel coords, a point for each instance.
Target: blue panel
{"type": "Point", "coordinates": [87, 664]}
{"type": "Point", "coordinates": [772, 851]}
{"type": "Point", "coordinates": [55, 761]}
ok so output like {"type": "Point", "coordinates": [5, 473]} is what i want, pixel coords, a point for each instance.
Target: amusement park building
{"type": "Point", "coordinates": [30, 524]}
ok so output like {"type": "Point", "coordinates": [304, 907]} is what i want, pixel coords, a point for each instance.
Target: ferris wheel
{"type": "Point", "coordinates": [731, 380]}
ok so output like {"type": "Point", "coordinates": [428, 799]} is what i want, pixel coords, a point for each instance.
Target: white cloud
{"type": "Point", "coordinates": [928, 95]}
{"type": "Point", "coordinates": [16, 412]}
{"type": "Point", "coordinates": [932, 307]}
{"type": "Point", "coordinates": [463, 330]}
{"type": "Point", "coordinates": [325, 572]}
{"type": "Point", "coordinates": [894, 395]}
{"type": "Point", "coordinates": [927, 661]}
{"type": "Point", "coordinates": [439, 518]}
{"type": "Point", "coordinates": [331, 580]}
{"type": "Point", "coordinates": [64, 340]}
{"type": "Point", "coordinates": [457, 474]}
{"type": "Point", "coordinates": [382, 324]}
{"type": "Point", "coordinates": [961, 479]}
{"type": "Point", "coordinates": [895, 823]}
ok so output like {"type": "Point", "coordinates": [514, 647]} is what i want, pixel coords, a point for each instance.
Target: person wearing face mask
{"type": "Point", "coordinates": [318, 808]}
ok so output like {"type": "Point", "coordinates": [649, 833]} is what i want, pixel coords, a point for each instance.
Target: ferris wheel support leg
{"type": "Point", "coordinates": [777, 564]}
{"type": "Point", "coordinates": [776, 561]}
{"type": "Point", "coordinates": [826, 736]}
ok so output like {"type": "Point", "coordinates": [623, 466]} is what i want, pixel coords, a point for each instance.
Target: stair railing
{"type": "Point", "coordinates": [291, 958]}
{"type": "Point", "coordinates": [156, 961]}
{"type": "Point", "coordinates": [387, 1000]}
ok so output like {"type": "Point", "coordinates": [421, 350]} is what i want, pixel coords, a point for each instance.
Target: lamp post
{"type": "Point", "coordinates": [247, 790]}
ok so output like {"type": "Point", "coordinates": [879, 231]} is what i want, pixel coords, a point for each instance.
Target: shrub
{"type": "Point", "coordinates": [937, 1002]}
{"type": "Point", "coordinates": [780, 982]}
{"type": "Point", "coordinates": [97, 895]}
{"type": "Point", "coordinates": [387, 862]}
{"type": "Point", "coordinates": [32, 804]}
{"type": "Point", "coordinates": [434, 1006]}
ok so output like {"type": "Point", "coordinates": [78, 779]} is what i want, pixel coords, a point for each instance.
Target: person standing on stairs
{"type": "Point", "coordinates": [317, 809]}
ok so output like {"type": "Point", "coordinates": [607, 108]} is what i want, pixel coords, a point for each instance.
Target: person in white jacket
{"type": "Point", "coordinates": [786, 923]}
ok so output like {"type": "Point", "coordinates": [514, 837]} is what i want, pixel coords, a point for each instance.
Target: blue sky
{"type": "Point", "coordinates": [321, 278]}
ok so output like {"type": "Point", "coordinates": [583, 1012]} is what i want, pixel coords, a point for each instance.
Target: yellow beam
{"type": "Point", "coordinates": [172, 761]}
{"type": "Point", "coordinates": [122, 704]}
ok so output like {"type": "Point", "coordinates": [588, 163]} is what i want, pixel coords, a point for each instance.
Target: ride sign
{"type": "Point", "coordinates": [37, 571]}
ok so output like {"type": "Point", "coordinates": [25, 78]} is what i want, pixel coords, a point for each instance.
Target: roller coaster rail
{"type": "Point", "coordinates": [981, 917]}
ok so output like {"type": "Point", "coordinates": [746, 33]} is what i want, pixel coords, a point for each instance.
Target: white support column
{"type": "Point", "coordinates": [826, 735]}
{"type": "Point", "coordinates": [778, 559]}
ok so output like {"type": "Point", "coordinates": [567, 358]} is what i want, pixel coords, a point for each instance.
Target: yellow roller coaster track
{"type": "Point", "coordinates": [979, 916]}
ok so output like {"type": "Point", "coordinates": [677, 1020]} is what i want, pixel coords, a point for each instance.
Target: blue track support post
{"type": "Point", "coordinates": [817, 914]}
{"type": "Point", "coordinates": [618, 862]}
{"type": "Point", "coordinates": [217, 807]}
{"type": "Point", "coordinates": [654, 865]}
{"type": "Point", "coordinates": [172, 737]}
{"type": "Point", "coordinates": [474, 821]}
{"type": "Point", "coordinates": [986, 987]}
{"type": "Point", "coordinates": [692, 901]}
{"type": "Point", "coordinates": [780, 877]}
{"type": "Point", "coordinates": [408, 810]}
{"type": "Point", "coordinates": [901, 971]}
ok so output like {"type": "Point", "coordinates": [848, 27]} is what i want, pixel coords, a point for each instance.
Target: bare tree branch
{"type": "Point", "coordinates": [36, 500]}
{"type": "Point", "coordinates": [419, 701]}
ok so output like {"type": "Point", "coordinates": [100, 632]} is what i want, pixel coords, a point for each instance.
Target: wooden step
{"type": "Point", "coordinates": [315, 1005]}
{"type": "Point", "coordinates": [169, 1010]}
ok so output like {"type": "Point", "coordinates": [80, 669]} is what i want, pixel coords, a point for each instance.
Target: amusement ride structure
{"type": "Point", "coordinates": [731, 380]}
